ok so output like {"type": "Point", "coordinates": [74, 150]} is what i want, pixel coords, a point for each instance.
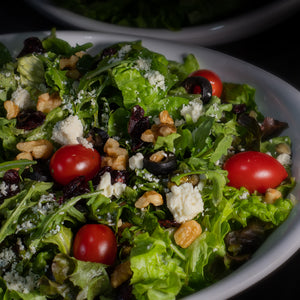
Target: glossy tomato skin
{"type": "Point", "coordinates": [256, 171]}
{"type": "Point", "coordinates": [213, 78]}
{"type": "Point", "coordinates": [95, 243]}
{"type": "Point", "coordinates": [71, 161]}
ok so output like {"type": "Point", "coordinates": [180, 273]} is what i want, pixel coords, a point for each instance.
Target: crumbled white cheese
{"type": "Point", "coordinates": [84, 142]}
{"type": "Point", "coordinates": [136, 161]}
{"type": "Point", "coordinates": [184, 202]}
{"type": "Point", "coordinates": [20, 283]}
{"type": "Point", "coordinates": [67, 131]}
{"type": "Point", "coordinates": [156, 79]}
{"type": "Point", "coordinates": [3, 188]}
{"type": "Point", "coordinates": [194, 109]}
{"type": "Point", "coordinates": [284, 159]}
{"type": "Point", "coordinates": [46, 204]}
{"type": "Point", "coordinates": [21, 97]}
{"type": "Point", "coordinates": [7, 256]}
{"type": "Point", "coordinates": [110, 190]}
{"type": "Point", "coordinates": [143, 64]}
{"type": "Point", "coordinates": [15, 281]}
{"type": "Point", "coordinates": [245, 195]}
{"type": "Point", "coordinates": [121, 54]}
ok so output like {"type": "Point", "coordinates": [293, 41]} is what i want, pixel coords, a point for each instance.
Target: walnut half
{"type": "Point", "coordinates": [116, 157]}
{"type": "Point", "coordinates": [164, 128]}
{"type": "Point", "coordinates": [187, 232]}
{"type": "Point", "coordinates": [47, 102]}
{"type": "Point", "coordinates": [40, 149]}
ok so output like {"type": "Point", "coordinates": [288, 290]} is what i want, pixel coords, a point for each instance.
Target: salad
{"type": "Point", "coordinates": [172, 15]}
{"type": "Point", "coordinates": [125, 175]}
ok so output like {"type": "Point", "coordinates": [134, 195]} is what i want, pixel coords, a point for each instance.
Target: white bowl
{"type": "Point", "coordinates": [206, 35]}
{"type": "Point", "coordinates": [275, 98]}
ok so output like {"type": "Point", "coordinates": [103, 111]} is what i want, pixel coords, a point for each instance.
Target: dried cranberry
{"type": "Point", "coordinates": [29, 119]}
{"type": "Point", "coordinates": [137, 113]}
{"type": "Point", "coordinates": [11, 187]}
{"type": "Point", "coordinates": [119, 176]}
{"type": "Point", "coordinates": [98, 176]}
{"type": "Point", "coordinates": [32, 45]}
{"type": "Point", "coordinates": [239, 108]}
{"type": "Point", "coordinates": [116, 175]}
{"type": "Point", "coordinates": [11, 177]}
{"type": "Point", "coordinates": [137, 125]}
{"type": "Point", "coordinates": [110, 51]}
{"type": "Point", "coordinates": [76, 187]}
{"type": "Point", "coordinates": [168, 223]}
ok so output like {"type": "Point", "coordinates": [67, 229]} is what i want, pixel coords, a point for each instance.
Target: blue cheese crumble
{"type": "Point", "coordinates": [184, 202]}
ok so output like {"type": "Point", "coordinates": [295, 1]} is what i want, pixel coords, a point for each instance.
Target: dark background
{"type": "Point", "coordinates": [276, 50]}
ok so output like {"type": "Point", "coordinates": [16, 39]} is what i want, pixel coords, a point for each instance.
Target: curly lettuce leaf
{"type": "Point", "coordinates": [31, 69]}
{"type": "Point", "coordinates": [254, 207]}
{"type": "Point", "coordinates": [156, 272]}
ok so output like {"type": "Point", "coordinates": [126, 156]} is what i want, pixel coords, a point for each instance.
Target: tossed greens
{"type": "Point", "coordinates": [179, 225]}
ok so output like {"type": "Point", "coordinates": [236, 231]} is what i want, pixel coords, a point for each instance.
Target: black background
{"type": "Point", "coordinates": [276, 50]}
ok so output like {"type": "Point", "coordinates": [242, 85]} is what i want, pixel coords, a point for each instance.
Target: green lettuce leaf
{"type": "Point", "coordinates": [156, 273]}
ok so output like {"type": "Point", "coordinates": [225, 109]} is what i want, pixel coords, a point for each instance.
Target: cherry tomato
{"type": "Point", "coordinates": [214, 80]}
{"type": "Point", "coordinates": [71, 161]}
{"type": "Point", "coordinates": [255, 171]}
{"type": "Point", "coordinates": [95, 243]}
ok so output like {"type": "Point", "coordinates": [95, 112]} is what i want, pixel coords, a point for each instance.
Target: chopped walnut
{"type": "Point", "coordinates": [150, 197]}
{"type": "Point", "coordinates": [70, 65]}
{"type": "Point", "coordinates": [24, 155]}
{"type": "Point", "coordinates": [12, 109]}
{"type": "Point", "coordinates": [165, 118]}
{"type": "Point", "coordinates": [283, 148]}
{"type": "Point", "coordinates": [272, 195]}
{"type": "Point", "coordinates": [47, 102]}
{"type": "Point", "coordinates": [164, 128]}
{"type": "Point", "coordinates": [40, 149]}
{"type": "Point", "coordinates": [116, 157]}
{"type": "Point", "coordinates": [158, 156]}
{"type": "Point", "coordinates": [187, 232]}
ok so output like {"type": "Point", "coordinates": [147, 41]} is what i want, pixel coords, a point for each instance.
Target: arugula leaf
{"type": "Point", "coordinates": [182, 70]}
{"type": "Point", "coordinates": [59, 46]}
{"type": "Point", "coordinates": [15, 206]}
{"type": "Point", "coordinates": [166, 142]}
{"type": "Point", "coordinates": [15, 164]}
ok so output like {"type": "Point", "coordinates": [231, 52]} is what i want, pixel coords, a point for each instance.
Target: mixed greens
{"type": "Point", "coordinates": [172, 15]}
{"type": "Point", "coordinates": [119, 94]}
